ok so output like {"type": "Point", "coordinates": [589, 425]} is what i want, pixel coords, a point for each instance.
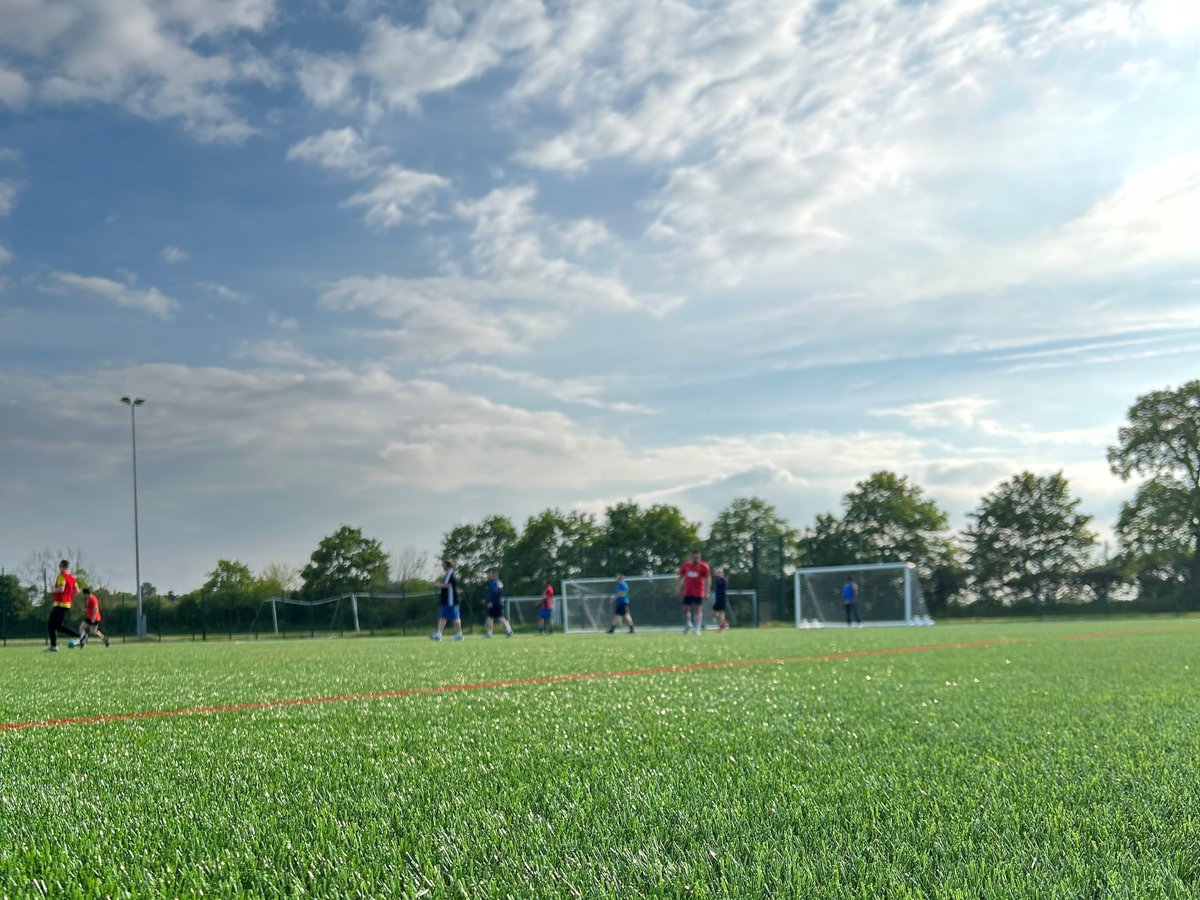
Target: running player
{"type": "Point", "coordinates": [91, 619]}
{"type": "Point", "coordinates": [449, 610]}
{"type": "Point", "coordinates": [719, 602]}
{"type": "Point", "coordinates": [621, 605]}
{"type": "Point", "coordinates": [60, 600]}
{"type": "Point", "coordinates": [546, 613]}
{"type": "Point", "coordinates": [495, 603]}
{"type": "Point", "coordinates": [692, 587]}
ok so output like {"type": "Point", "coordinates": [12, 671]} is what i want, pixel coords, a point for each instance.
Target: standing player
{"type": "Point", "coordinates": [495, 603]}
{"type": "Point", "coordinates": [60, 599]}
{"type": "Point", "coordinates": [449, 610]}
{"type": "Point", "coordinates": [850, 600]}
{"type": "Point", "coordinates": [91, 619]}
{"type": "Point", "coordinates": [719, 602]}
{"type": "Point", "coordinates": [621, 605]}
{"type": "Point", "coordinates": [693, 588]}
{"type": "Point", "coordinates": [546, 613]}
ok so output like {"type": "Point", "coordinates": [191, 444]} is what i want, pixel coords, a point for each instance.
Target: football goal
{"type": "Point", "coordinates": [888, 594]}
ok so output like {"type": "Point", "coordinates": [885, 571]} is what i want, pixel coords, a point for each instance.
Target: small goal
{"type": "Point", "coordinates": [888, 594]}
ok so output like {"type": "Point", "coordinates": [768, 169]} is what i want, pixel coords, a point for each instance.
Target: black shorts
{"type": "Point", "coordinates": [495, 610]}
{"type": "Point", "coordinates": [719, 605]}
{"type": "Point", "coordinates": [95, 623]}
{"type": "Point", "coordinates": [621, 609]}
{"type": "Point", "coordinates": [693, 601]}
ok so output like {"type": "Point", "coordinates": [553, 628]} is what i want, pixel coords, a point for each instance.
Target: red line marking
{"type": "Point", "coordinates": [540, 679]}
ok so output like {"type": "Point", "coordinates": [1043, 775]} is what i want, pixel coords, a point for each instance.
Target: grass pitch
{"type": "Point", "coordinates": [1030, 760]}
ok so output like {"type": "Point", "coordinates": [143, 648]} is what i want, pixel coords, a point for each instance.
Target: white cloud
{"type": "Point", "coordinates": [282, 354]}
{"type": "Point", "coordinates": [151, 300]}
{"type": "Point", "coordinates": [8, 196]}
{"type": "Point", "coordinates": [953, 412]}
{"type": "Point", "coordinates": [283, 323]}
{"type": "Point", "coordinates": [577, 391]}
{"type": "Point", "coordinates": [225, 293]}
{"type": "Point", "coordinates": [341, 150]}
{"type": "Point", "coordinates": [5, 256]}
{"type": "Point", "coordinates": [398, 193]}
{"type": "Point", "coordinates": [327, 81]}
{"type": "Point", "coordinates": [173, 255]}
{"type": "Point", "coordinates": [159, 60]}
{"type": "Point", "coordinates": [14, 89]}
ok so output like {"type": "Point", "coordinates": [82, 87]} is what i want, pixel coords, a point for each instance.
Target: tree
{"type": "Point", "coordinates": [1156, 539]}
{"type": "Point", "coordinates": [1028, 542]}
{"type": "Point", "coordinates": [1162, 442]}
{"type": "Point", "coordinates": [476, 548]}
{"type": "Point", "coordinates": [14, 601]}
{"type": "Point", "coordinates": [410, 564]}
{"type": "Point", "coordinates": [277, 580]}
{"type": "Point", "coordinates": [41, 568]}
{"type": "Point", "coordinates": [637, 541]}
{"type": "Point", "coordinates": [344, 561]}
{"type": "Point", "coordinates": [732, 537]}
{"type": "Point", "coordinates": [229, 581]}
{"type": "Point", "coordinates": [551, 545]}
{"type": "Point", "coordinates": [886, 518]}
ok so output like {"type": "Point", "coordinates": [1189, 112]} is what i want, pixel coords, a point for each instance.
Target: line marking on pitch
{"type": "Point", "coordinates": [538, 679]}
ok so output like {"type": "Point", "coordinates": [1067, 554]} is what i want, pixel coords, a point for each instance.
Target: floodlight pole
{"type": "Point", "coordinates": [133, 403]}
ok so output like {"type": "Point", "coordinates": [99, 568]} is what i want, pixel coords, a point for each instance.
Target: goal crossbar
{"type": "Point", "coordinates": [888, 594]}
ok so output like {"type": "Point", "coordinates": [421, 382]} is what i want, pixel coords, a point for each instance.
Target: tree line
{"type": "Point", "coordinates": [1027, 546]}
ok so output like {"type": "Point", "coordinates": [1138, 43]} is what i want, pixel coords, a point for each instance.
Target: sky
{"type": "Point", "coordinates": [404, 265]}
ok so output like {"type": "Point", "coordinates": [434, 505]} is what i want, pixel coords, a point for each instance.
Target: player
{"type": "Point", "coordinates": [91, 618]}
{"type": "Point", "coordinates": [64, 592]}
{"type": "Point", "coordinates": [692, 587]}
{"type": "Point", "coordinates": [546, 613]}
{"type": "Point", "coordinates": [719, 601]}
{"type": "Point", "coordinates": [449, 610]}
{"type": "Point", "coordinates": [621, 605]}
{"type": "Point", "coordinates": [495, 603]}
{"type": "Point", "coordinates": [850, 600]}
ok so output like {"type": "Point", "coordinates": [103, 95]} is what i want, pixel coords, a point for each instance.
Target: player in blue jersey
{"type": "Point", "coordinates": [449, 609]}
{"type": "Point", "coordinates": [495, 603]}
{"type": "Point", "coordinates": [850, 600]}
{"type": "Point", "coordinates": [621, 605]}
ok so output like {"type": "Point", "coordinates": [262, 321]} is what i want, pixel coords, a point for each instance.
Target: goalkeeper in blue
{"type": "Point", "coordinates": [495, 603]}
{"type": "Point", "coordinates": [621, 605]}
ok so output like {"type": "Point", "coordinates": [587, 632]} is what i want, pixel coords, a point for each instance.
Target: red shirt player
{"type": "Point", "coordinates": [60, 600]}
{"type": "Point", "coordinates": [546, 613]}
{"type": "Point", "coordinates": [91, 618]}
{"type": "Point", "coordinates": [693, 587]}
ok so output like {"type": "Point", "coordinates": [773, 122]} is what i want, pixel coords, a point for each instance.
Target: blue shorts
{"type": "Point", "coordinates": [545, 613]}
{"type": "Point", "coordinates": [621, 609]}
{"type": "Point", "coordinates": [449, 612]}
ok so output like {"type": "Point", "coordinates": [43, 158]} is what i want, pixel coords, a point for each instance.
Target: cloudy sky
{"type": "Point", "coordinates": [400, 265]}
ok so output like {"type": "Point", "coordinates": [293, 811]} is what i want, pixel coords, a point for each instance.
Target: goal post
{"type": "Point", "coordinates": [587, 603]}
{"type": "Point", "coordinates": [888, 594]}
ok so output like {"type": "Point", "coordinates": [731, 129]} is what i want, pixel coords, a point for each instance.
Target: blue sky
{"type": "Point", "coordinates": [404, 265]}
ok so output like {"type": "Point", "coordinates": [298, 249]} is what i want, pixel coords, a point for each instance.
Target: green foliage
{"type": "Point", "coordinates": [1162, 442]}
{"type": "Point", "coordinates": [344, 561]}
{"type": "Point", "coordinates": [638, 541]}
{"type": "Point", "coordinates": [1028, 541]}
{"type": "Point", "coordinates": [887, 774]}
{"type": "Point", "coordinates": [14, 599]}
{"type": "Point", "coordinates": [552, 545]}
{"type": "Point", "coordinates": [734, 532]}
{"type": "Point", "coordinates": [229, 580]}
{"type": "Point", "coordinates": [476, 548]}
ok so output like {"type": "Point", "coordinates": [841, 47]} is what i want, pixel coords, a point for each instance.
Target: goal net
{"type": "Point", "coordinates": [888, 594]}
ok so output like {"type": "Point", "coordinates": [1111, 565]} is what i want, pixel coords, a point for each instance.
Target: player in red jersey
{"type": "Point", "coordinates": [60, 600]}
{"type": "Point", "coordinates": [546, 613]}
{"type": "Point", "coordinates": [91, 619]}
{"type": "Point", "coordinates": [692, 587]}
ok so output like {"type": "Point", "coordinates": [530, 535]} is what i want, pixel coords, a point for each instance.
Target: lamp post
{"type": "Point", "coordinates": [133, 403]}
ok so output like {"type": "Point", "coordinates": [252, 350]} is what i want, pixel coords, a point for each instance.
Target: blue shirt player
{"type": "Point", "coordinates": [850, 600]}
{"type": "Point", "coordinates": [621, 605]}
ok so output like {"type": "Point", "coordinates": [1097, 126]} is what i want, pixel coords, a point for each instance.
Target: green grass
{"type": "Point", "coordinates": [1036, 767]}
